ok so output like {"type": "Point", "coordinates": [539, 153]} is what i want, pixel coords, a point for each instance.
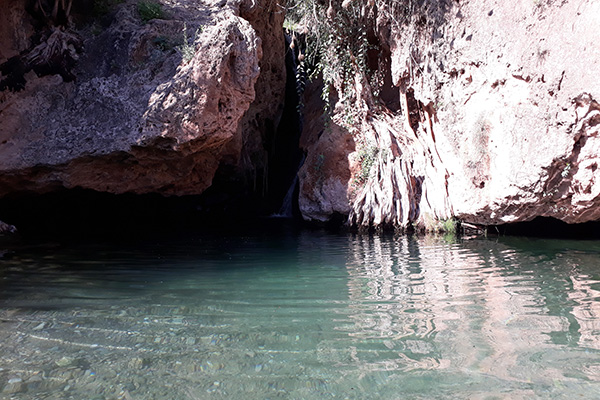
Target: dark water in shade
{"type": "Point", "coordinates": [302, 315]}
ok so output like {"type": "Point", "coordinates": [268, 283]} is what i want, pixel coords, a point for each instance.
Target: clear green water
{"type": "Point", "coordinates": [302, 315]}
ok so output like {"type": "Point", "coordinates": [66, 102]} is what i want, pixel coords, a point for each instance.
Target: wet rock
{"type": "Point", "coordinates": [39, 327]}
{"type": "Point", "coordinates": [14, 385]}
{"type": "Point", "coordinates": [65, 362]}
{"type": "Point", "coordinates": [109, 374]}
{"type": "Point", "coordinates": [326, 175]}
{"type": "Point", "coordinates": [138, 363]}
{"type": "Point", "coordinates": [190, 341]}
{"type": "Point", "coordinates": [35, 382]}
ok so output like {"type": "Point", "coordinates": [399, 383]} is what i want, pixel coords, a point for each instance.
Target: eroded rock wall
{"type": "Point", "coordinates": [139, 117]}
{"type": "Point", "coordinates": [499, 120]}
{"type": "Point", "coordinates": [512, 94]}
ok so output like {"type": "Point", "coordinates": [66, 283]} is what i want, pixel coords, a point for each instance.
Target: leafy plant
{"type": "Point", "coordinates": [342, 43]}
{"type": "Point", "coordinates": [367, 155]}
{"type": "Point", "coordinates": [449, 226]}
{"type": "Point", "coordinates": [290, 25]}
{"type": "Point", "coordinates": [149, 10]}
{"type": "Point", "coordinates": [188, 48]}
{"type": "Point", "coordinates": [336, 43]}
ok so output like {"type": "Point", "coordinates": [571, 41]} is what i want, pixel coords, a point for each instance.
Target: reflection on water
{"type": "Point", "coordinates": [519, 318]}
{"type": "Point", "coordinates": [302, 316]}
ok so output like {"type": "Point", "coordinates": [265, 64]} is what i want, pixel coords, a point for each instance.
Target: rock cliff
{"type": "Point", "coordinates": [149, 103]}
{"type": "Point", "coordinates": [498, 123]}
{"type": "Point", "coordinates": [478, 110]}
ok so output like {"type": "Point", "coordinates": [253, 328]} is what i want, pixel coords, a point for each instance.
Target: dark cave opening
{"type": "Point", "coordinates": [272, 188]}
{"type": "Point", "coordinates": [82, 213]}
{"type": "Point", "coordinates": [551, 228]}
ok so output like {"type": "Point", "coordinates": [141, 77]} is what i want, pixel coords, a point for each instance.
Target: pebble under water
{"type": "Point", "coordinates": [302, 315]}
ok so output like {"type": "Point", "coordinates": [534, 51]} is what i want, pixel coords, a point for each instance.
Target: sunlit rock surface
{"type": "Point", "coordinates": [499, 120]}
{"type": "Point", "coordinates": [326, 175]}
{"type": "Point", "coordinates": [139, 117]}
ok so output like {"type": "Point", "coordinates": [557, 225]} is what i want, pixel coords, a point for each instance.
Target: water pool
{"type": "Point", "coordinates": [302, 315]}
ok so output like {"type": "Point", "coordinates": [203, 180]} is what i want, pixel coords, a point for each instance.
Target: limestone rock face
{"type": "Point", "coordinates": [325, 177]}
{"type": "Point", "coordinates": [138, 117]}
{"type": "Point", "coordinates": [514, 96]}
{"type": "Point", "coordinates": [499, 120]}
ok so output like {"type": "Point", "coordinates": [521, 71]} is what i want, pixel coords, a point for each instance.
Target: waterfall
{"type": "Point", "coordinates": [286, 206]}
{"type": "Point", "coordinates": [285, 155]}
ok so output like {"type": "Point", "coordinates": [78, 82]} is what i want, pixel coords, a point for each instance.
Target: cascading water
{"type": "Point", "coordinates": [287, 206]}
{"type": "Point", "coordinates": [286, 210]}
{"type": "Point", "coordinates": [285, 156]}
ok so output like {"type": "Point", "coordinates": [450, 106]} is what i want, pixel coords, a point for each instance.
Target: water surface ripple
{"type": "Point", "coordinates": [305, 315]}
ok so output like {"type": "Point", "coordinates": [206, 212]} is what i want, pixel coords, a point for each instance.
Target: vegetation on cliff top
{"type": "Point", "coordinates": [342, 42]}
{"type": "Point", "coordinates": [336, 38]}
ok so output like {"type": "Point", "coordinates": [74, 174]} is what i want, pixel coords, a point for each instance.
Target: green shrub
{"type": "Point", "coordinates": [367, 155]}
{"type": "Point", "coordinates": [449, 226]}
{"type": "Point", "coordinates": [335, 45]}
{"type": "Point", "coordinates": [188, 48]}
{"type": "Point", "coordinates": [149, 10]}
{"type": "Point", "coordinates": [341, 43]}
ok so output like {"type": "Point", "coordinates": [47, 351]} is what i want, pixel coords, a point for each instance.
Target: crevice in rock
{"type": "Point", "coordinates": [414, 109]}
{"type": "Point", "coordinates": [283, 147]}
{"type": "Point", "coordinates": [389, 93]}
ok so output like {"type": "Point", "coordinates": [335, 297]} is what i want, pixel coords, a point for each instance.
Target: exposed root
{"type": "Point", "coordinates": [406, 176]}
{"type": "Point", "coordinates": [56, 54]}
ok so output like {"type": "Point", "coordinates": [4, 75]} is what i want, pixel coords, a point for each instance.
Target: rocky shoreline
{"type": "Point", "coordinates": [485, 113]}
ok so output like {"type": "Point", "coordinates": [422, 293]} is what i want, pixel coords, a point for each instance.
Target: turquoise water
{"type": "Point", "coordinates": [302, 315]}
